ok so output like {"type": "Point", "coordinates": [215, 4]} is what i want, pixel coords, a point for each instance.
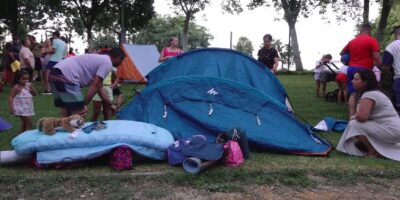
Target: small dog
{"type": "Point", "coordinates": [70, 124]}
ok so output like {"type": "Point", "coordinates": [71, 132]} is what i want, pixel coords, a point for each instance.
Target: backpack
{"type": "Point", "coordinates": [332, 96]}
{"type": "Point", "coordinates": [121, 158]}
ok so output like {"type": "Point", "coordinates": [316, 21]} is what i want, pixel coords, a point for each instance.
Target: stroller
{"type": "Point", "coordinates": [329, 75]}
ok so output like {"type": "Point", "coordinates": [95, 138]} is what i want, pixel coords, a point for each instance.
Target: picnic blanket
{"type": "Point", "coordinates": [144, 139]}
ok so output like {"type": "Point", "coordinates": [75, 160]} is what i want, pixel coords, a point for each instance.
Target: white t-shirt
{"type": "Point", "coordinates": [82, 69]}
{"type": "Point", "coordinates": [26, 53]}
{"type": "Point", "coordinates": [343, 69]}
{"type": "Point", "coordinates": [319, 67]}
{"type": "Point", "coordinates": [394, 49]}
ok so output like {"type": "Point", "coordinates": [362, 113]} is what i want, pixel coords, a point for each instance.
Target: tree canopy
{"type": "Point", "coordinates": [245, 46]}
{"type": "Point", "coordinates": [189, 9]}
{"type": "Point", "coordinates": [161, 28]}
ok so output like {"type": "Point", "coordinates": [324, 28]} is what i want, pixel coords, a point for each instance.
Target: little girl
{"type": "Point", "coordinates": [20, 101]}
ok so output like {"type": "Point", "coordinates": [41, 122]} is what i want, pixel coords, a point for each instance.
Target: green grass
{"type": "Point", "coordinates": [262, 168]}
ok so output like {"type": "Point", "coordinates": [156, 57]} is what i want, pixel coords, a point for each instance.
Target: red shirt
{"type": "Point", "coordinates": [361, 49]}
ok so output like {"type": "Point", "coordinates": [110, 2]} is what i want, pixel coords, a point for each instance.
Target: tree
{"type": "Point", "coordinates": [20, 16]}
{"type": "Point", "coordinates": [189, 8]}
{"type": "Point", "coordinates": [245, 46]}
{"type": "Point", "coordinates": [292, 9]}
{"type": "Point", "coordinates": [99, 15]}
{"type": "Point", "coordinates": [386, 35]}
{"type": "Point", "coordinates": [105, 40]}
{"type": "Point", "coordinates": [386, 7]}
{"type": "Point", "coordinates": [160, 29]}
{"type": "Point", "coordinates": [286, 58]}
{"type": "Point", "coordinates": [134, 15]}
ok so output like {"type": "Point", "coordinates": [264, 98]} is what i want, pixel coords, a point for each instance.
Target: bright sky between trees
{"type": "Point", "coordinates": [316, 36]}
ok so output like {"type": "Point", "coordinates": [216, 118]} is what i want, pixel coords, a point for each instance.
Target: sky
{"type": "Point", "coordinates": [316, 37]}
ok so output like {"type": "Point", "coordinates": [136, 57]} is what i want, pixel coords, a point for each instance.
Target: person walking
{"type": "Point", "coordinates": [57, 53]}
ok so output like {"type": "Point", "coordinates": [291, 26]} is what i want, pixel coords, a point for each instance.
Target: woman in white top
{"type": "Point", "coordinates": [374, 129]}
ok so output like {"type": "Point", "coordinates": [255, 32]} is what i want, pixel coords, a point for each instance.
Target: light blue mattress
{"type": "Point", "coordinates": [145, 139]}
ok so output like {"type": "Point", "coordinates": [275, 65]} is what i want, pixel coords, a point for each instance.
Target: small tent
{"type": "Point", "coordinates": [139, 61]}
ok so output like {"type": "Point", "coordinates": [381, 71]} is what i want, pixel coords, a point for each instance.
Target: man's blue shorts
{"type": "Point", "coordinates": [350, 75]}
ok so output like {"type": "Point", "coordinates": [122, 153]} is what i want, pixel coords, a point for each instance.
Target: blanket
{"type": "Point", "coordinates": [144, 139]}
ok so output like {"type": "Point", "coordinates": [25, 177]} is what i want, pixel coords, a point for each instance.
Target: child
{"type": "Point", "coordinates": [20, 101]}
{"type": "Point", "coordinates": [341, 80]}
{"type": "Point", "coordinates": [99, 104]}
{"type": "Point", "coordinates": [116, 89]}
{"type": "Point", "coordinates": [317, 73]}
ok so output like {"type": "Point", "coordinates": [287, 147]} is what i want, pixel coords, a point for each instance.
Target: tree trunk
{"type": "Point", "coordinates": [13, 11]}
{"type": "Point", "coordinates": [366, 12]}
{"type": "Point", "coordinates": [186, 31]}
{"type": "Point", "coordinates": [295, 47]}
{"type": "Point", "coordinates": [89, 37]}
{"type": "Point", "coordinates": [386, 7]}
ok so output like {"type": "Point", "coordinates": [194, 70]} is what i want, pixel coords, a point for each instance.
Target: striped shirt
{"type": "Point", "coordinates": [394, 50]}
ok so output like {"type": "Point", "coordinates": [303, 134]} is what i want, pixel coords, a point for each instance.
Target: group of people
{"type": "Point", "coordinates": [66, 74]}
{"type": "Point", "coordinates": [374, 122]}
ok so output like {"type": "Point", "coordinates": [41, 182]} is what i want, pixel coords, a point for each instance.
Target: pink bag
{"type": "Point", "coordinates": [234, 156]}
{"type": "Point", "coordinates": [121, 158]}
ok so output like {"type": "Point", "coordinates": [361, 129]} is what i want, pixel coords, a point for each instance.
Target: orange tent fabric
{"type": "Point", "coordinates": [139, 61]}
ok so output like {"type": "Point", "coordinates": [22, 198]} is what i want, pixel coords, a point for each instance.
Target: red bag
{"type": "Point", "coordinates": [234, 156]}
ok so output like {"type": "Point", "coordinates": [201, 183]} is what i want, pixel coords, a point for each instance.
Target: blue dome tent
{"type": "Point", "coordinates": [235, 93]}
{"type": "Point", "coordinates": [208, 105]}
{"type": "Point", "coordinates": [223, 63]}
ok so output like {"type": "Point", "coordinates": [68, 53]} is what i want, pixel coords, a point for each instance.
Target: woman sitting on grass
{"type": "Point", "coordinates": [374, 129]}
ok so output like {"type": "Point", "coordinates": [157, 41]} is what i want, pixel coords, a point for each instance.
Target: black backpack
{"type": "Point", "coordinates": [332, 96]}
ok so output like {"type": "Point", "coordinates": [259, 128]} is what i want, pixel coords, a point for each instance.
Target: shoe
{"type": "Point", "coordinates": [46, 93]}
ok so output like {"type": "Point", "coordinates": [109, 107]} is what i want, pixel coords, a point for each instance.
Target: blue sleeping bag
{"type": "Point", "coordinates": [144, 139]}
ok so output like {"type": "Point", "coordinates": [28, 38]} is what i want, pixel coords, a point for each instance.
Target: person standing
{"type": "Point", "coordinates": [70, 75]}
{"type": "Point", "coordinates": [36, 49]}
{"type": "Point", "coordinates": [56, 55]}
{"type": "Point", "coordinates": [391, 60]}
{"type": "Point", "coordinates": [26, 58]}
{"type": "Point", "coordinates": [364, 52]}
{"type": "Point", "coordinates": [319, 68]}
{"type": "Point", "coordinates": [171, 50]}
{"type": "Point", "coordinates": [20, 100]}
{"type": "Point", "coordinates": [268, 55]}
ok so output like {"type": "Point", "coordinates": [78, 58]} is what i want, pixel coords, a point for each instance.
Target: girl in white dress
{"type": "Point", "coordinates": [20, 101]}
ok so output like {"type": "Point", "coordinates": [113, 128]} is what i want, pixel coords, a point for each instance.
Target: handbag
{"type": "Point", "coordinates": [234, 156]}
